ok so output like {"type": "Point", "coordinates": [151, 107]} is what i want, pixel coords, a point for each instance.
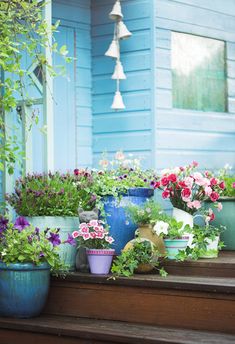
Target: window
{"type": "Point", "coordinates": [198, 73]}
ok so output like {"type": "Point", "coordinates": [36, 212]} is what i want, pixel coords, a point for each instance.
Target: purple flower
{"type": "Point", "coordinates": [37, 230]}
{"type": "Point", "coordinates": [3, 223]}
{"type": "Point", "coordinates": [233, 185]}
{"type": "Point", "coordinates": [54, 239]}
{"type": "Point", "coordinates": [41, 254]}
{"type": "Point", "coordinates": [70, 240]}
{"type": "Point", "coordinates": [21, 223]}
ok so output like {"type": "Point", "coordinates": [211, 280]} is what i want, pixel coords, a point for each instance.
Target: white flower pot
{"type": "Point", "coordinates": [187, 219]}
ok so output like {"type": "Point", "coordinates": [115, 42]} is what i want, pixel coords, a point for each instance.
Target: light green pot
{"type": "Point", "coordinates": [67, 225]}
{"type": "Point", "coordinates": [225, 217]}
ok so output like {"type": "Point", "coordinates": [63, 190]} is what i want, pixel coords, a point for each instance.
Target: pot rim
{"type": "Point", "coordinates": [24, 266]}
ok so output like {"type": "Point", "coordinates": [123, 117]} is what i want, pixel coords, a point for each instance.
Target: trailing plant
{"type": "Point", "coordinates": [229, 179]}
{"type": "Point", "coordinates": [22, 243]}
{"type": "Point", "coordinates": [201, 236]}
{"type": "Point", "coordinates": [52, 194]}
{"type": "Point", "coordinates": [141, 252]}
{"type": "Point", "coordinates": [24, 32]}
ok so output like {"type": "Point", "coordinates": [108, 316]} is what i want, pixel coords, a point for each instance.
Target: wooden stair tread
{"type": "Point", "coordinates": [223, 266]}
{"type": "Point", "coordinates": [189, 283]}
{"type": "Point", "coordinates": [107, 331]}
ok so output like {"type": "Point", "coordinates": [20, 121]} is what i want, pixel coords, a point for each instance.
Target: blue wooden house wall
{"type": "Point", "coordinates": [183, 135]}
{"type": "Point", "coordinates": [150, 128]}
{"type": "Point", "coordinates": [132, 129]}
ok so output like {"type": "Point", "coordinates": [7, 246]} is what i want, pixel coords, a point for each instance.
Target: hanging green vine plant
{"type": "Point", "coordinates": [23, 32]}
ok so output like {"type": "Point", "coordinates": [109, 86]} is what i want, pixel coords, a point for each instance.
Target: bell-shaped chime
{"type": "Point", "coordinates": [120, 32]}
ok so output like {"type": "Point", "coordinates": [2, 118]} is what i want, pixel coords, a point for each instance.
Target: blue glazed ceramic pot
{"type": "Point", "coordinates": [23, 289]}
{"type": "Point", "coordinates": [121, 228]}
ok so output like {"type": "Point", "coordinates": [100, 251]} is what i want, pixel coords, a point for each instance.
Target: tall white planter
{"type": "Point", "coordinates": [187, 219]}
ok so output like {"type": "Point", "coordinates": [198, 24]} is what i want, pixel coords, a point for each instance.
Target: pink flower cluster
{"type": "Point", "coordinates": [93, 234]}
{"type": "Point", "coordinates": [187, 188]}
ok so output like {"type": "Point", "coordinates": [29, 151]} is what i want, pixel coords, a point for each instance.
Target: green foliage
{"type": "Point", "coordinates": [142, 252]}
{"type": "Point", "coordinates": [23, 32]}
{"type": "Point", "coordinates": [230, 186]}
{"type": "Point", "coordinates": [47, 195]}
{"type": "Point", "coordinates": [148, 213]}
{"type": "Point", "coordinates": [29, 246]}
{"type": "Point", "coordinates": [201, 234]}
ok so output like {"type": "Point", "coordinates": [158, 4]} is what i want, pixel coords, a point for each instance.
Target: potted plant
{"type": "Point", "coordinates": [139, 256]}
{"type": "Point", "coordinates": [227, 203]}
{"type": "Point", "coordinates": [95, 237]}
{"type": "Point", "coordinates": [144, 216]}
{"type": "Point", "coordinates": [50, 201]}
{"type": "Point", "coordinates": [207, 241]}
{"type": "Point", "coordinates": [187, 189]}
{"type": "Point", "coordinates": [174, 237]}
{"type": "Point", "coordinates": [27, 256]}
{"type": "Point", "coordinates": [120, 182]}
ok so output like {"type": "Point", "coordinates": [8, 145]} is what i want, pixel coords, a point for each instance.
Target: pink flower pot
{"type": "Point", "coordinates": [100, 260]}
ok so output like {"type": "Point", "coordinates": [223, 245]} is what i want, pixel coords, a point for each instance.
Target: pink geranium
{"type": "Point", "coordinates": [93, 235]}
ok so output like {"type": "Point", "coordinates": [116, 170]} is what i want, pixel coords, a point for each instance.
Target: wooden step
{"type": "Point", "coordinates": [199, 303]}
{"type": "Point", "coordinates": [62, 329]}
{"type": "Point", "coordinates": [223, 266]}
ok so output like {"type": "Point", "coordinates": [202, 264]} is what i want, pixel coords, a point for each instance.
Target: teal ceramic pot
{"type": "Point", "coordinates": [225, 217]}
{"type": "Point", "coordinates": [23, 289]}
{"type": "Point", "coordinates": [67, 225]}
{"type": "Point", "coordinates": [173, 246]}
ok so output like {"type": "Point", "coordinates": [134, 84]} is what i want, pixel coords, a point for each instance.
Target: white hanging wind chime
{"type": "Point", "coordinates": [120, 32]}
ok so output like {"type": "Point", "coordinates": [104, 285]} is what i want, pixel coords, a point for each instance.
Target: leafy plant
{"type": "Point", "coordinates": [22, 243]}
{"type": "Point", "coordinates": [169, 228]}
{"type": "Point", "coordinates": [148, 213]}
{"type": "Point", "coordinates": [142, 252]}
{"type": "Point", "coordinates": [24, 32]}
{"type": "Point", "coordinates": [201, 235]}
{"type": "Point", "coordinates": [93, 235]}
{"type": "Point", "coordinates": [52, 194]}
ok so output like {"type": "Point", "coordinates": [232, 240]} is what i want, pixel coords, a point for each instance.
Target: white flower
{"type": "Point", "coordinates": [161, 227]}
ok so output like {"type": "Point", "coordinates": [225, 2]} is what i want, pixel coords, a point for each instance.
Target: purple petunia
{"type": "Point", "coordinates": [3, 222]}
{"type": "Point", "coordinates": [70, 240]}
{"type": "Point", "coordinates": [21, 223]}
{"type": "Point", "coordinates": [54, 239]}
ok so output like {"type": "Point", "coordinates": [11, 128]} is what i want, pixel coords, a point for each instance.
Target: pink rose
{"type": "Point", "coordinates": [186, 194]}
{"type": "Point", "coordinates": [172, 178]}
{"type": "Point", "coordinates": [233, 185]}
{"type": "Point", "coordinates": [195, 164]}
{"type": "Point", "coordinates": [195, 204]}
{"type": "Point", "coordinates": [182, 184]}
{"type": "Point", "coordinates": [222, 185]}
{"type": "Point", "coordinates": [166, 194]}
{"type": "Point", "coordinates": [188, 181]}
{"type": "Point", "coordinates": [208, 190]}
{"type": "Point", "coordinates": [164, 181]}
{"type": "Point", "coordinates": [213, 181]}
{"type": "Point", "coordinates": [214, 196]}
{"type": "Point", "coordinates": [157, 185]}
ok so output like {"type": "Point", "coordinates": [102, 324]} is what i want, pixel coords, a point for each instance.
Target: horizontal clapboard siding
{"type": "Point", "coordinates": [186, 135]}
{"type": "Point", "coordinates": [77, 14]}
{"type": "Point", "coordinates": [131, 129]}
